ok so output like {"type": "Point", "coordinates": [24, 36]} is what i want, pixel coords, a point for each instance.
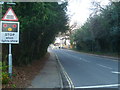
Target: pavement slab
{"type": "Point", "coordinates": [49, 76]}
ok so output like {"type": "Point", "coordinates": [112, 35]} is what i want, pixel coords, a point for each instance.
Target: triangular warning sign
{"type": "Point", "coordinates": [10, 15]}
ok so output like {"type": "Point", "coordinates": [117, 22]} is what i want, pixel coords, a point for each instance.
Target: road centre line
{"type": "Point", "coordinates": [89, 61]}
{"type": "Point", "coordinates": [71, 55]}
{"type": "Point", "coordinates": [99, 86]}
{"type": "Point", "coordinates": [104, 66]}
{"type": "Point", "coordinates": [84, 60]}
{"type": "Point", "coordinates": [77, 57]}
{"type": "Point", "coordinates": [115, 59]}
{"type": "Point", "coordinates": [115, 72]}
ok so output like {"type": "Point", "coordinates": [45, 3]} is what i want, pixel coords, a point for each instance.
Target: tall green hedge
{"type": "Point", "coordinates": [39, 24]}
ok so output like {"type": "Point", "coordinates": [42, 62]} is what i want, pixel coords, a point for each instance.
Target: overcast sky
{"type": "Point", "coordinates": [79, 10]}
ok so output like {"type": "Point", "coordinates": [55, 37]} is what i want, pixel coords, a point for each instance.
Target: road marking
{"type": "Point", "coordinates": [115, 72]}
{"type": "Point", "coordinates": [77, 57]}
{"type": "Point", "coordinates": [104, 66]}
{"type": "Point", "coordinates": [99, 86]}
{"type": "Point", "coordinates": [84, 60]}
{"type": "Point", "coordinates": [65, 73]}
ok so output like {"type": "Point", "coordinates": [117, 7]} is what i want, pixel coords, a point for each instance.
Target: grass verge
{"type": "Point", "coordinates": [115, 55]}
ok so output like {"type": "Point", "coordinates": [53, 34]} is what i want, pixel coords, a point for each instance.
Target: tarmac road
{"type": "Point", "coordinates": [89, 71]}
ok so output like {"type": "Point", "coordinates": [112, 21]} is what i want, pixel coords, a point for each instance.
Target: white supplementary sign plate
{"type": "Point", "coordinates": [9, 32]}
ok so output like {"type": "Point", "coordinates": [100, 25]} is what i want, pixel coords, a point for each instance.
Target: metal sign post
{"type": "Point", "coordinates": [9, 33]}
{"type": "Point", "coordinates": [10, 61]}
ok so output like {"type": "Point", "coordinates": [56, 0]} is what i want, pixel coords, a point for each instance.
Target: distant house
{"type": "Point", "coordinates": [62, 41]}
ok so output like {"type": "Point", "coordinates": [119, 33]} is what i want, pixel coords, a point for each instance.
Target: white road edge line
{"type": "Point", "coordinates": [115, 72]}
{"type": "Point", "coordinates": [104, 66]}
{"type": "Point", "coordinates": [100, 86]}
{"type": "Point", "coordinates": [65, 73]}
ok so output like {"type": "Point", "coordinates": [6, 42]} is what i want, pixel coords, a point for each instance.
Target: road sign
{"type": "Point", "coordinates": [10, 15]}
{"type": "Point", "coordinates": [9, 32]}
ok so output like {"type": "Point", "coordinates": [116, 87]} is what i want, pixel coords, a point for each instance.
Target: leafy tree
{"type": "Point", "coordinates": [39, 24]}
{"type": "Point", "coordinates": [101, 31]}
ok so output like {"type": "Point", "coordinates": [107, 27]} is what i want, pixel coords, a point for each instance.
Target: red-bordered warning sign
{"type": "Point", "coordinates": [10, 15]}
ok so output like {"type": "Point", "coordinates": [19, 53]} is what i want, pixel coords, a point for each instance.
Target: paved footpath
{"type": "Point", "coordinates": [49, 76]}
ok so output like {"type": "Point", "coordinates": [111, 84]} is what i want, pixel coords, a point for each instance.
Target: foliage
{"type": "Point", "coordinates": [4, 77]}
{"type": "Point", "coordinates": [39, 24]}
{"type": "Point", "coordinates": [13, 86]}
{"type": "Point", "coordinates": [101, 32]}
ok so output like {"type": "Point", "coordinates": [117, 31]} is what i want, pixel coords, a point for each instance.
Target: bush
{"type": "Point", "coordinates": [4, 76]}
